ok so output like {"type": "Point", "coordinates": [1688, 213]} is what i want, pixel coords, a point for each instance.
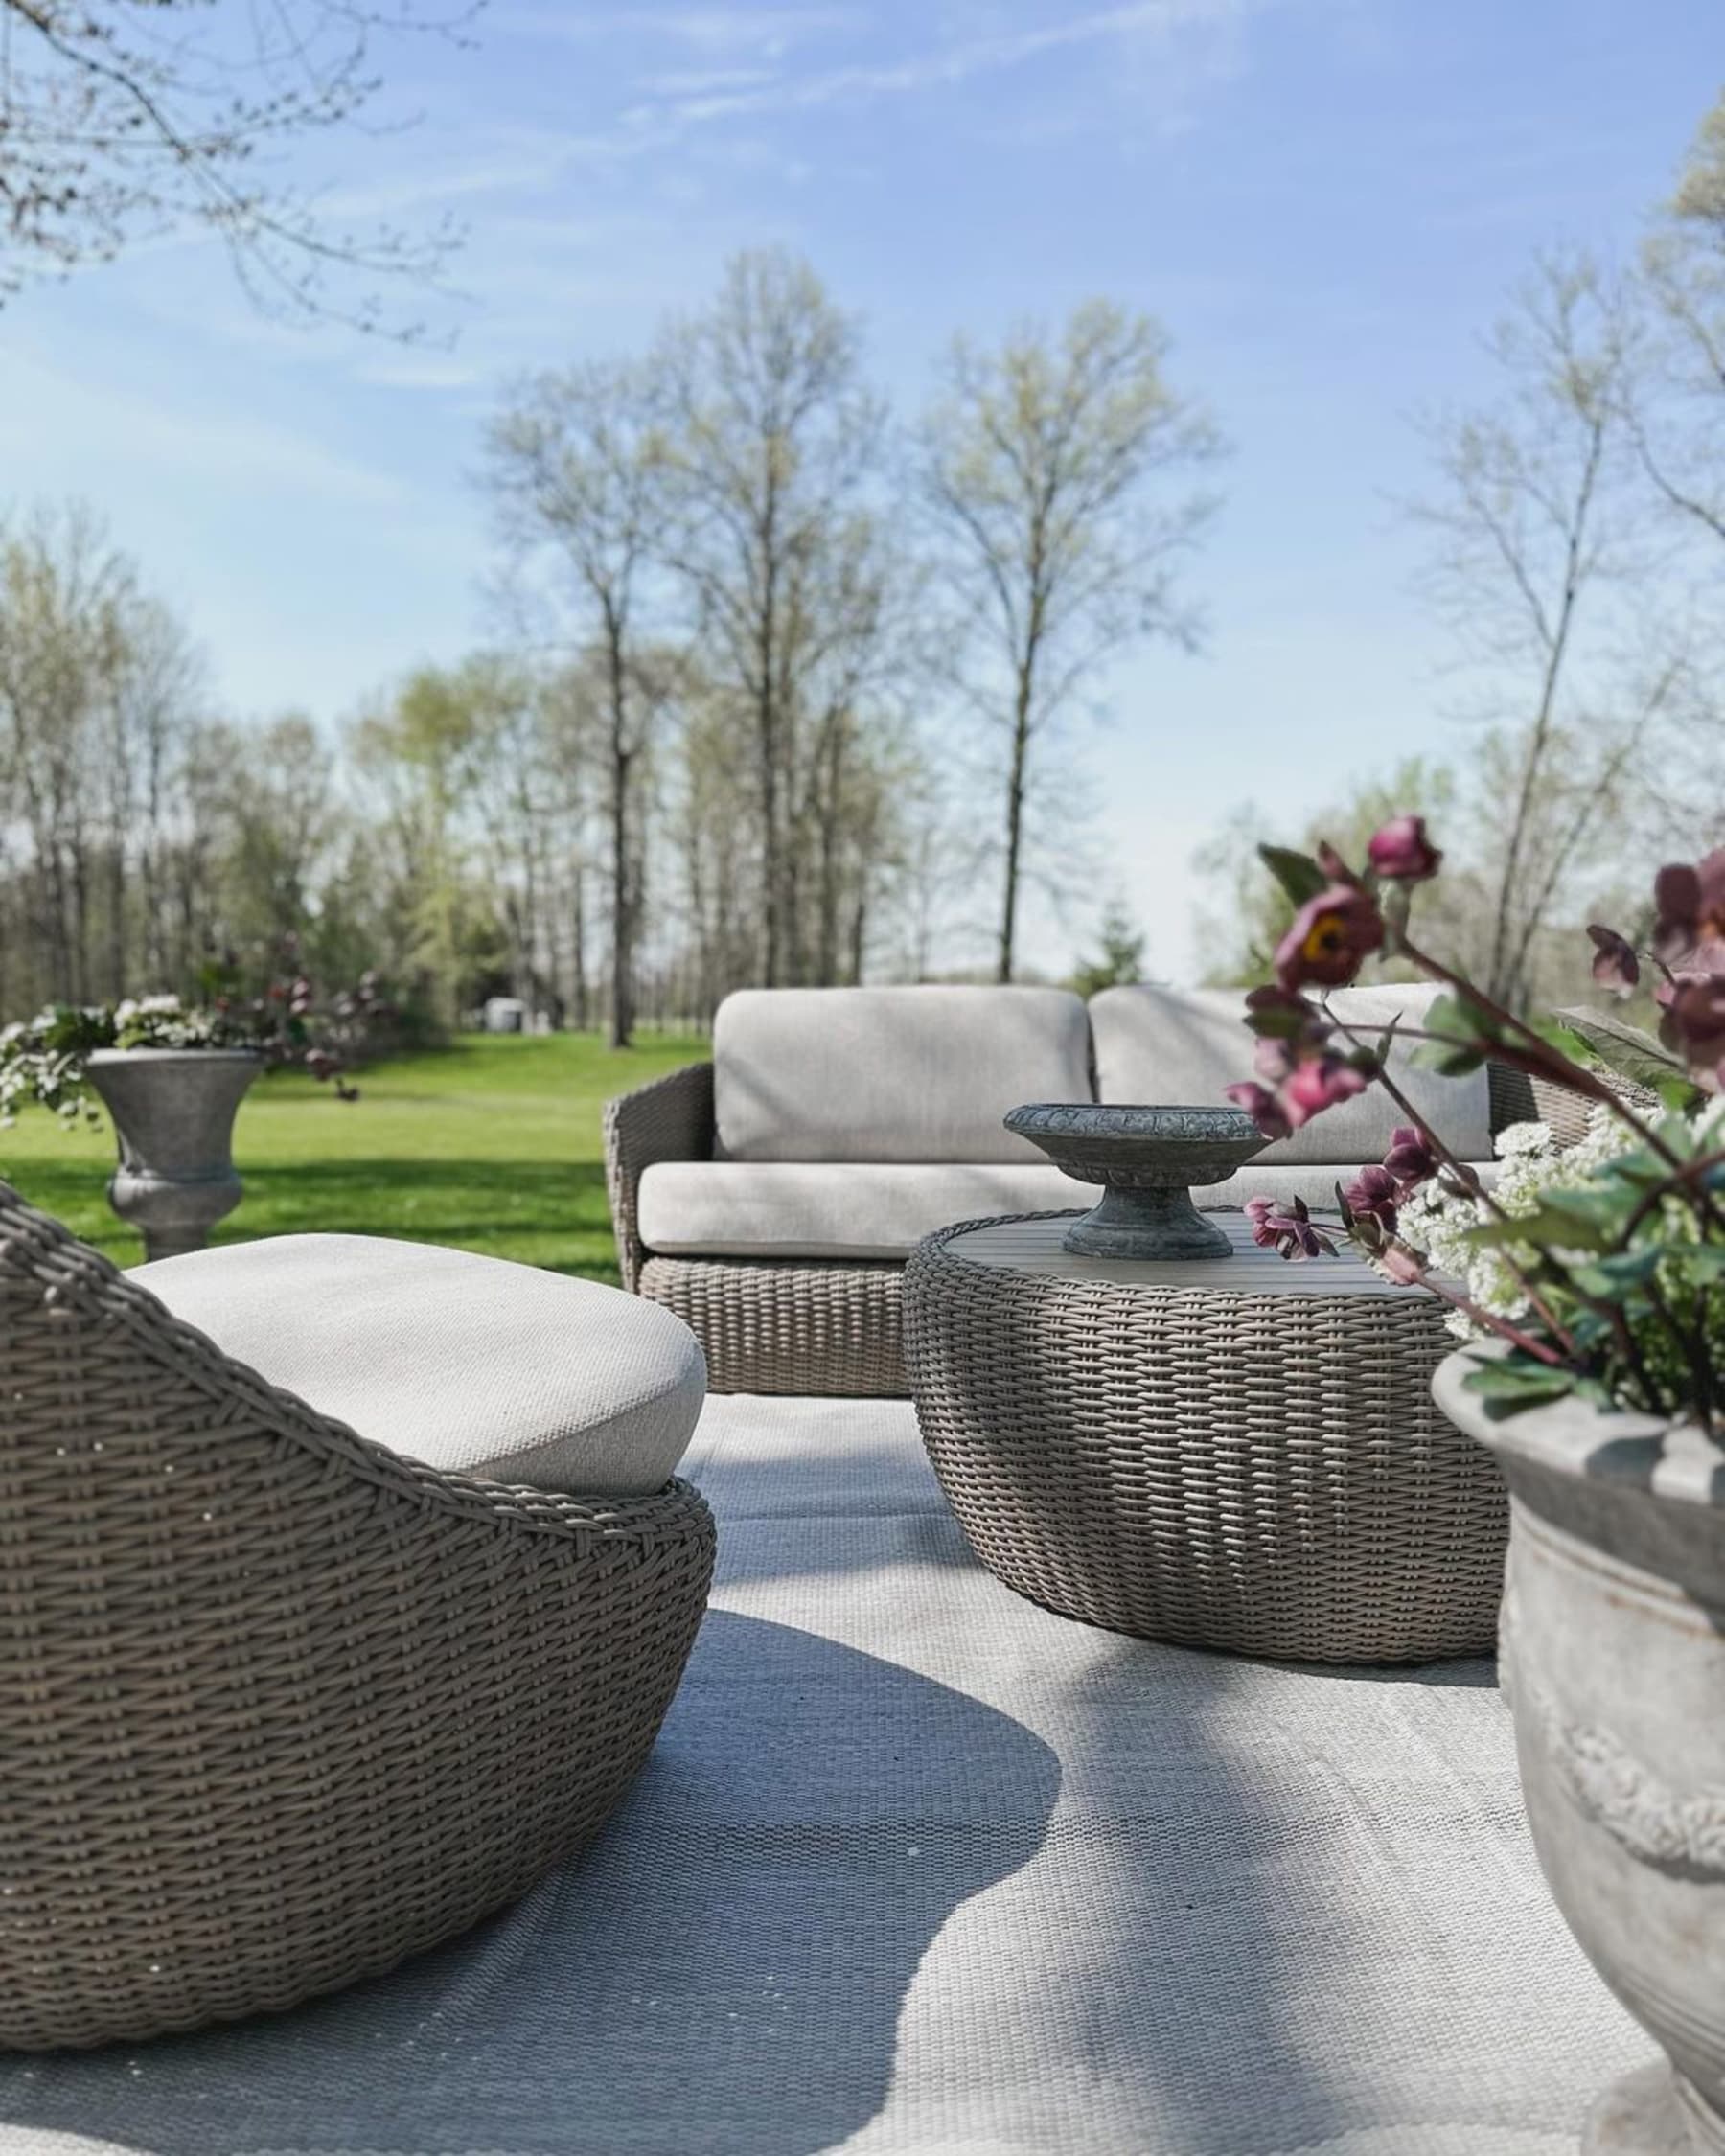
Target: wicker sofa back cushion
{"type": "Point", "coordinates": [1184, 1045]}
{"type": "Point", "coordinates": [898, 1074]}
{"type": "Point", "coordinates": [581, 1388]}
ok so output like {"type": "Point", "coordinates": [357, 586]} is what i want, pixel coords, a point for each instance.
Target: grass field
{"type": "Point", "coordinates": [492, 1144]}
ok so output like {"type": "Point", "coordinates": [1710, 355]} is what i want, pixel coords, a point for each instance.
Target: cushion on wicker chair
{"type": "Point", "coordinates": [471, 1363]}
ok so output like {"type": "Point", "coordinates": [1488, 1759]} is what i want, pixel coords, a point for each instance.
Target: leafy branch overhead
{"type": "Point", "coordinates": [120, 123]}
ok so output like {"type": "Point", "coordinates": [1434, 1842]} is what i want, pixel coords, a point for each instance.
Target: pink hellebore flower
{"type": "Point", "coordinates": [1318, 1083]}
{"type": "Point", "coordinates": [1401, 851]}
{"type": "Point", "coordinates": [1615, 964]}
{"type": "Point", "coordinates": [1410, 1160]}
{"type": "Point", "coordinates": [1262, 1106]}
{"type": "Point", "coordinates": [1331, 934]}
{"type": "Point", "coordinates": [1372, 1195]}
{"type": "Point", "coordinates": [1291, 1233]}
{"type": "Point", "coordinates": [1691, 906]}
{"type": "Point", "coordinates": [1693, 1006]}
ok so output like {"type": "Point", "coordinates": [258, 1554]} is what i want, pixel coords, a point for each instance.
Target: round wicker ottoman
{"type": "Point", "coordinates": [1238, 1453]}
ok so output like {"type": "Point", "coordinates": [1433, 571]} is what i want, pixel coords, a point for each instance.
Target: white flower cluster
{"type": "Point", "coordinates": [145, 1006]}
{"type": "Point", "coordinates": [1437, 1221]}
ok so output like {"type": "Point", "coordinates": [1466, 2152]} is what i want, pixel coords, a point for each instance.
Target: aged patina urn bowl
{"type": "Point", "coordinates": [173, 1111]}
{"type": "Point", "coordinates": [1148, 1160]}
{"type": "Point", "coordinates": [1612, 1656]}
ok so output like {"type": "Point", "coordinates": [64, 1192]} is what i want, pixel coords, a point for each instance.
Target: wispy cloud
{"type": "Point", "coordinates": [711, 34]}
{"type": "Point", "coordinates": [654, 121]}
{"type": "Point", "coordinates": [188, 444]}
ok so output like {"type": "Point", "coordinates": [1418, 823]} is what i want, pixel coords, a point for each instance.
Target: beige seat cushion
{"type": "Point", "coordinates": [891, 1074]}
{"type": "Point", "coordinates": [770, 1210]}
{"type": "Point", "coordinates": [1182, 1046]}
{"type": "Point", "coordinates": [470, 1364]}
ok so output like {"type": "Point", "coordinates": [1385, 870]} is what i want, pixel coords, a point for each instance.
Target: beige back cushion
{"type": "Point", "coordinates": [891, 1073]}
{"type": "Point", "coordinates": [1179, 1047]}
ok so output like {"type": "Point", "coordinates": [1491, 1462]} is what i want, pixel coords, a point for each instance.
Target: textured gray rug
{"type": "Point", "coordinates": [918, 1866]}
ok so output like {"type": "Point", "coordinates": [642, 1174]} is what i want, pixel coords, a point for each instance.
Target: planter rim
{"type": "Point", "coordinates": [173, 1055]}
{"type": "Point", "coordinates": [1631, 1452]}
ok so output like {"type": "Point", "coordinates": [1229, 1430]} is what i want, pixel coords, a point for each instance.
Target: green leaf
{"type": "Point", "coordinates": [1633, 1054]}
{"type": "Point", "coordinates": [1643, 1170]}
{"type": "Point", "coordinates": [1517, 1382]}
{"type": "Point", "coordinates": [1550, 1226]}
{"type": "Point", "coordinates": [1297, 873]}
{"type": "Point", "coordinates": [1612, 1278]}
{"type": "Point", "coordinates": [1464, 1035]}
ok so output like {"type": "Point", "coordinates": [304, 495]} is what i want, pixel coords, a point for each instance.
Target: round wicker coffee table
{"type": "Point", "coordinates": [1238, 1453]}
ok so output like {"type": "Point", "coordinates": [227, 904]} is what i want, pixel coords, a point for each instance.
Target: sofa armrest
{"type": "Point", "coordinates": [671, 1119]}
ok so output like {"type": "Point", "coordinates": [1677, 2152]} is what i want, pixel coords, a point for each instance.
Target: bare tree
{"type": "Point", "coordinates": [774, 439]}
{"type": "Point", "coordinates": [1679, 419]}
{"type": "Point", "coordinates": [1536, 531]}
{"type": "Point", "coordinates": [120, 121]}
{"type": "Point", "coordinates": [1041, 461]}
{"type": "Point", "coordinates": [577, 464]}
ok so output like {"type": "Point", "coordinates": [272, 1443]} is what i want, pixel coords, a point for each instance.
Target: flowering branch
{"type": "Point", "coordinates": [1611, 1271]}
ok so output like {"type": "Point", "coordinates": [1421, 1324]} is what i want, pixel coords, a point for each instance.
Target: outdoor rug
{"type": "Point", "coordinates": [919, 1867]}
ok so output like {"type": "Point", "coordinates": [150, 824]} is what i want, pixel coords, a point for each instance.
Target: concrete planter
{"type": "Point", "coordinates": [173, 1112]}
{"type": "Point", "coordinates": [1613, 1660]}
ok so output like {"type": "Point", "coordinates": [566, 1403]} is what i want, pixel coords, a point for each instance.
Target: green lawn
{"type": "Point", "coordinates": [493, 1144]}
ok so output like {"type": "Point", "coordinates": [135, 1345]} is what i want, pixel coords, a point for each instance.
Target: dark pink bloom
{"type": "Point", "coordinates": [1372, 1195]}
{"type": "Point", "coordinates": [1262, 1106]}
{"type": "Point", "coordinates": [1694, 1007]}
{"type": "Point", "coordinates": [1402, 853]}
{"type": "Point", "coordinates": [1410, 1160]}
{"type": "Point", "coordinates": [1691, 906]}
{"type": "Point", "coordinates": [1289, 1231]}
{"type": "Point", "coordinates": [1320, 1082]}
{"type": "Point", "coordinates": [1330, 936]}
{"type": "Point", "coordinates": [1615, 964]}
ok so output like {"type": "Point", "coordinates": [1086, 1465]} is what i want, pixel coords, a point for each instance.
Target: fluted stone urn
{"type": "Point", "coordinates": [173, 1112]}
{"type": "Point", "coordinates": [1148, 1160]}
{"type": "Point", "coordinates": [1613, 1662]}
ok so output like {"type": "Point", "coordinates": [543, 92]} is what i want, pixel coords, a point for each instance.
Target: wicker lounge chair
{"type": "Point", "coordinates": [280, 1706]}
{"type": "Point", "coordinates": [783, 1324]}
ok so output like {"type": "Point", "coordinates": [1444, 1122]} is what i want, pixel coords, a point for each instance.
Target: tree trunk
{"type": "Point", "coordinates": [622, 757]}
{"type": "Point", "coordinates": [1015, 823]}
{"type": "Point", "coordinates": [578, 952]}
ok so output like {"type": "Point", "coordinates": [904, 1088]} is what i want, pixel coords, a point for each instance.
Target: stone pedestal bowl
{"type": "Point", "coordinates": [1148, 1160]}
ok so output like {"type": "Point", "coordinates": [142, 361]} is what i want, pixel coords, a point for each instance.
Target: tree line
{"type": "Point", "coordinates": [775, 692]}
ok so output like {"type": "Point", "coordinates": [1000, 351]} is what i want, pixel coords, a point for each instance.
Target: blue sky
{"type": "Point", "coordinates": [1323, 200]}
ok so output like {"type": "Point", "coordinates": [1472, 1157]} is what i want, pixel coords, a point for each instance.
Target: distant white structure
{"type": "Point", "coordinates": [505, 1014]}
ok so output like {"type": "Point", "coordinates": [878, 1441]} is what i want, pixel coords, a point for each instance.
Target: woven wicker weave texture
{"type": "Point", "coordinates": [1215, 1464]}
{"type": "Point", "coordinates": [279, 1707]}
{"type": "Point", "coordinates": [797, 1326]}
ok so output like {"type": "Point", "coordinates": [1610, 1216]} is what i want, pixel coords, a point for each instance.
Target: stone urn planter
{"type": "Point", "coordinates": [173, 1112]}
{"type": "Point", "coordinates": [1613, 1662]}
{"type": "Point", "coordinates": [1149, 1161]}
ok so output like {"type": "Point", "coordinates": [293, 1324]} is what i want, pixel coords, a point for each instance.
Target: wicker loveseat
{"type": "Point", "coordinates": [278, 1705]}
{"type": "Point", "coordinates": [772, 1196]}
